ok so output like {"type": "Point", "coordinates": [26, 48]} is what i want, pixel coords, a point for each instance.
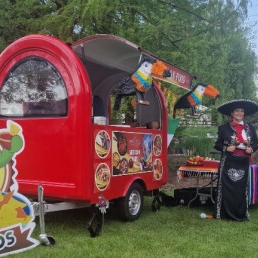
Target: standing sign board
{"type": "Point", "coordinates": [16, 213]}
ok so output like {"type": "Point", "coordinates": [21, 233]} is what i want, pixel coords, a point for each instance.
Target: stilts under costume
{"type": "Point", "coordinates": [232, 186]}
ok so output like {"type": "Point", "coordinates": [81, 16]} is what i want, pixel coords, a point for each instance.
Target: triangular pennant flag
{"type": "Point", "coordinates": [172, 126]}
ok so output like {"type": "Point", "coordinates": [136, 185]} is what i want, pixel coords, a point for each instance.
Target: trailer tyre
{"type": "Point", "coordinates": [130, 206]}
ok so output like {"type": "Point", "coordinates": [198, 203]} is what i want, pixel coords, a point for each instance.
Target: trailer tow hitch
{"type": "Point", "coordinates": [96, 222]}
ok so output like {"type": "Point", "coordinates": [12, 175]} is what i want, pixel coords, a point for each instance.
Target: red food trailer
{"type": "Point", "coordinates": [61, 97]}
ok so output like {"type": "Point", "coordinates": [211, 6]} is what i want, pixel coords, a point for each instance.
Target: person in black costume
{"type": "Point", "coordinates": [236, 140]}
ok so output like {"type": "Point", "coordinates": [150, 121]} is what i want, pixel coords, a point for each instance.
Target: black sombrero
{"type": "Point", "coordinates": [250, 107]}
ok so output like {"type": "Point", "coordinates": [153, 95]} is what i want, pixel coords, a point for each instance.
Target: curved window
{"type": "Point", "coordinates": [33, 87]}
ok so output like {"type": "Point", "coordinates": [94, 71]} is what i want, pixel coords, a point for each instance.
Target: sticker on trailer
{"type": "Point", "coordinates": [157, 145]}
{"type": "Point", "coordinates": [158, 169]}
{"type": "Point", "coordinates": [102, 176]}
{"type": "Point", "coordinates": [131, 153]}
{"type": "Point", "coordinates": [102, 144]}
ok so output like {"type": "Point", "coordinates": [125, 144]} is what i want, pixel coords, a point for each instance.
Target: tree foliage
{"type": "Point", "coordinates": [206, 38]}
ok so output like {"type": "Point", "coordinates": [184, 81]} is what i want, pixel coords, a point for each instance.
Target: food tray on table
{"type": "Point", "coordinates": [195, 161]}
{"type": "Point", "coordinates": [191, 163]}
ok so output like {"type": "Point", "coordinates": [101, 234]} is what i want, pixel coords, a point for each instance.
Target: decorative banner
{"type": "Point", "coordinates": [178, 77]}
{"type": "Point", "coordinates": [173, 123]}
{"type": "Point", "coordinates": [169, 96]}
{"type": "Point", "coordinates": [172, 126]}
{"type": "Point", "coordinates": [16, 212]}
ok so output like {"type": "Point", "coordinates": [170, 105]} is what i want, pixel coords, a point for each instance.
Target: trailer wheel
{"type": "Point", "coordinates": [51, 240]}
{"type": "Point", "coordinates": [47, 240]}
{"type": "Point", "coordinates": [130, 206]}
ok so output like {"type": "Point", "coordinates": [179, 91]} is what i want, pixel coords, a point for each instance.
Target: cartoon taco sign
{"type": "Point", "coordinates": [16, 213]}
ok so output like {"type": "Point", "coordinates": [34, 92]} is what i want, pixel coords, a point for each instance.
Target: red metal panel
{"type": "Point", "coordinates": [57, 151]}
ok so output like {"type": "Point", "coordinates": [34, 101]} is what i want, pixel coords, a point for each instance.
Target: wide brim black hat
{"type": "Point", "coordinates": [250, 107]}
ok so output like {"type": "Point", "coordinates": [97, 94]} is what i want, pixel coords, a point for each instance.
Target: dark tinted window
{"type": "Point", "coordinates": [33, 87]}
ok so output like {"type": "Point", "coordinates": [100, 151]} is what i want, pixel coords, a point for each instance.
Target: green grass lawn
{"type": "Point", "coordinates": [171, 232]}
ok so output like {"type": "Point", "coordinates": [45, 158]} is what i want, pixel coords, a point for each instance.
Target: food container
{"type": "Point", "coordinates": [100, 120]}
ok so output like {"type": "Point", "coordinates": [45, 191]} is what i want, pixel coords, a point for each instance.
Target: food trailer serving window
{"type": "Point", "coordinates": [33, 87]}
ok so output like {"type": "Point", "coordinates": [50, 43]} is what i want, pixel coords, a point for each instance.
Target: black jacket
{"type": "Point", "coordinates": [226, 135]}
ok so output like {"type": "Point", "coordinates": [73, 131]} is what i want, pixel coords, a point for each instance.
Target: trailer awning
{"type": "Point", "coordinates": [117, 57]}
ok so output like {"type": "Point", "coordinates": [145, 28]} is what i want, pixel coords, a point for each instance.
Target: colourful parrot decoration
{"type": "Point", "coordinates": [141, 80]}
{"type": "Point", "coordinates": [194, 97]}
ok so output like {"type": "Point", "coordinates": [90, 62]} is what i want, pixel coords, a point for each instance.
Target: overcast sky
{"type": "Point", "coordinates": [253, 20]}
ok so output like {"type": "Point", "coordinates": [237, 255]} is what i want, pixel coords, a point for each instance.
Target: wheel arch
{"type": "Point", "coordinates": [140, 181]}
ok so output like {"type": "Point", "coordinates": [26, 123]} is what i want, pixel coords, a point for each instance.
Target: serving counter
{"type": "Point", "coordinates": [211, 172]}
{"type": "Point", "coordinates": [198, 172]}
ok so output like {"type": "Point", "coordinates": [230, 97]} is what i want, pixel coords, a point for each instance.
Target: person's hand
{"type": "Point", "coordinates": [231, 148]}
{"type": "Point", "coordinates": [248, 150]}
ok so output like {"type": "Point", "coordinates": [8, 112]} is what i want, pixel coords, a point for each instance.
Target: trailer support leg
{"type": "Point", "coordinates": [96, 222]}
{"type": "Point", "coordinates": [157, 202]}
{"type": "Point", "coordinates": [44, 238]}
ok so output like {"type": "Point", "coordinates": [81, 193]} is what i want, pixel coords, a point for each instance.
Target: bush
{"type": "Point", "coordinates": [194, 140]}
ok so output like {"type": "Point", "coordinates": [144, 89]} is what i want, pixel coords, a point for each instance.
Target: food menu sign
{"type": "Point", "coordinates": [178, 77]}
{"type": "Point", "coordinates": [16, 213]}
{"type": "Point", "coordinates": [132, 153]}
